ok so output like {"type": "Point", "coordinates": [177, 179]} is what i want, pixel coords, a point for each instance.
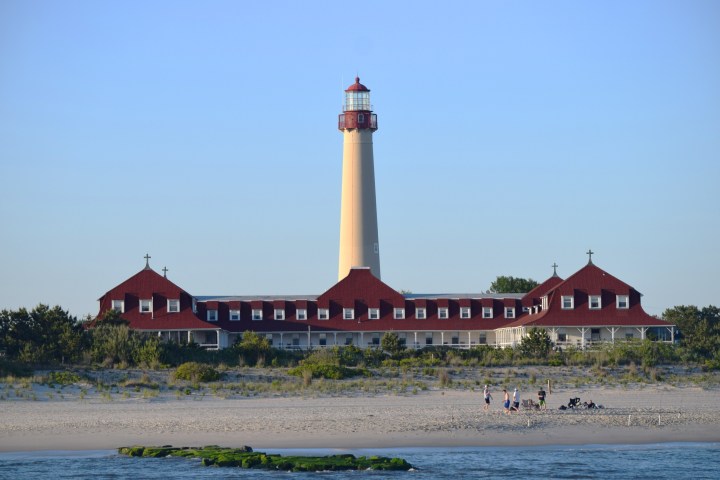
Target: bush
{"type": "Point", "coordinates": [196, 372]}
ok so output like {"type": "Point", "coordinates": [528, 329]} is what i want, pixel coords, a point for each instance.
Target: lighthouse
{"type": "Point", "coordinates": [359, 245]}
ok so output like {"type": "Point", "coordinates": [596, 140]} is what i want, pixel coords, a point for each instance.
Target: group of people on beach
{"type": "Point", "coordinates": [515, 407]}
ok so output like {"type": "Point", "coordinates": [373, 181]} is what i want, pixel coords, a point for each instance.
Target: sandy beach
{"type": "Point", "coordinates": [640, 414]}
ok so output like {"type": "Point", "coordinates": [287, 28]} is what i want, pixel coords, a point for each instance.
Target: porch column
{"type": "Point", "coordinates": [415, 344]}
{"type": "Point", "coordinates": [442, 338]}
{"type": "Point", "coordinates": [612, 331]}
{"type": "Point", "coordinates": [282, 345]}
{"type": "Point", "coordinates": [335, 337]}
{"type": "Point", "coordinates": [642, 331]}
{"type": "Point", "coordinates": [469, 340]}
{"type": "Point", "coordinates": [189, 337]}
{"type": "Point", "coordinates": [672, 334]}
{"type": "Point", "coordinates": [362, 339]}
{"type": "Point", "coordinates": [583, 330]}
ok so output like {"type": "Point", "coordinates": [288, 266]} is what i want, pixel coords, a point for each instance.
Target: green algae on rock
{"type": "Point", "coordinates": [245, 457]}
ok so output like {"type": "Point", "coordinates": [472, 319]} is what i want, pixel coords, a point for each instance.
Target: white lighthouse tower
{"type": "Point", "coordinates": [359, 246]}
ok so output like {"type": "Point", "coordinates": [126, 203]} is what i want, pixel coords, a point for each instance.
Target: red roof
{"type": "Point", "coordinates": [149, 285]}
{"type": "Point", "coordinates": [541, 290]}
{"type": "Point", "coordinates": [591, 280]}
{"type": "Point", "coordinates": [357, 86]}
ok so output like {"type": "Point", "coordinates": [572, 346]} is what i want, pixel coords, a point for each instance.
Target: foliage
{"type": "Point", "coordinates": [505, 284]}
{"type": "Point", "coordinates": [63, 378]}
{"type": "Point", "coordinates": [196, 372]}
{"type": "Point", "coordinates": [536, 343]}
{"type": "Point", "coordinates": [111, 317]}
{"type": "Point", "coordinates": [253, 347]}
{"type": "Point", "coordinates": [699, 331]}
{"type": "Point", "coordinates": [114, 343]}
{"type": "Point", "coordinates": [390, 343]}
{"type": "Point", "coordinates": [43, 335]}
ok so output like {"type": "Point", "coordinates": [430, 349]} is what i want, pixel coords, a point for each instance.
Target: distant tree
{"type": "Point", "coordinates": [503, 284]}
{"type": "Point", "coordinates": [42, 335]}
{"type": "Point", "coordinates": [254, 347]}
{"type": "Point", "coordinates": [390, 343]}
{"type": "Point", "coordinates": [536, 343]}
{"type": "Point", "coordinates": [112, 317]}
{"type": "Point", "coordinates": [699, 329]}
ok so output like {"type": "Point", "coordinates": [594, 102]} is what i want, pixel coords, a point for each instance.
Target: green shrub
{"type": "Point", "coordinates": [196, 372]}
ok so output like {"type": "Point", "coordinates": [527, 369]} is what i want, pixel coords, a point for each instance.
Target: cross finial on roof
{"type": "Point", "coordinates": [590, 254]}
{"type": "Point", "coordinates": [555, 265]}
{"type": "Point", "coordinates": [165, 270]}
{"type": "Point", "coordinates": [147, 258]}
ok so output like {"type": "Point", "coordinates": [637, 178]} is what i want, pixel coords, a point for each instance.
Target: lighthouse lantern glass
{"type": "Point", "coordinates": [355, 100]}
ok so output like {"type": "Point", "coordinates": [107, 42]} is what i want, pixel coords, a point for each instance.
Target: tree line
{"type": "Point", "coordinates": [50, 336]}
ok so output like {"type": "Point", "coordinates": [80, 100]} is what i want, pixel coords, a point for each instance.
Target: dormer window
{"type": "Point", "coordinates": [421, 313]}
{"type": "Point", "coordinates": [464, 312]}
{"type": "Point", "coordinates": [509, 312]}
{"type": "Point", "coordinates": [234, 315]}
{"type": "Point", "coordinates": [301, 314]}
{"type": "Point", "coordinates": [594, 302]}
{"type": "Point", "coordinates": [257, 314]}
{"type": "Point", "coordinates": [398, 313]}
{"type": "Point", "coordinates": [348, 314]}
{"type": "Point", "coordinates": [544, 302]}
{"type": "Point", "coordinates": [145, 306]}
{"type": "Point", "coordinates": [173, 306]}
{"type": "Point", "coordinates": [374, 313]}
{"type": "Point", "coordinates": [443, 313]}
{"type": "Point", "coordinates": [487, 312]}
{"type": "Point", "coordinates": [212, 315]}
{"type": "Point", "coordinates": [323, 313]}
{"type": "Point", "coordinates": [568, 302]}
{"type": "Point", "coordinates": [118, 306]}
{"type": "Point", "coordinates": [279, 314]}
{"type": "Point", "coordinates": [623, 302]}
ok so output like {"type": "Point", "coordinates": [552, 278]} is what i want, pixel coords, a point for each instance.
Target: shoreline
{"type": "Point", "coordinates": [431, 419]}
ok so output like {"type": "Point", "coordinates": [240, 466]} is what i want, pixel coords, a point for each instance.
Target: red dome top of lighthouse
{"type": "Point", "coordinates": [357, 86]}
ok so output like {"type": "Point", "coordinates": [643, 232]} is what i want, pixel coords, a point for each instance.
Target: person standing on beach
{"type": "Point", "coordinates": [516, 400]}
{"type": "Point", "coordinates": [506, 401]}
{"type": "Point", "coordinates": [488, 397]}
{"type": "Point", "coordinates": [541, 398]}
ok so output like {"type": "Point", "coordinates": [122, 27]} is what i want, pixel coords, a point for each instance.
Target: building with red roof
{"type": "Point", "coordinates": [589, 306]}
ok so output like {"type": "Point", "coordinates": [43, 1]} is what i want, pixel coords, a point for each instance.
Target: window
{"type": "Point", "coordinates": [348, 314]}
{"type": "Point", "coordinates": [173, 306]}
{"type": "Point", "coordinates": [375, 341]}
{"type": "Point", "coordinates": [398, 313]}
{"type": "Point", "coordinates": [323, 313]}
{"type": "Point", "coordinates": [212, 315]}
{"type": "Point", "coordinates": [420, 313]}
{"type": "Point", "coordinates": [295, 340]}
{"type": "Point", "coordinates": [594, 302]}
{"type": "Point", "coordinates": [374, 313]}
{"type": "Point", "coordinates": [525, 309]}
{"type": "Point", "coordinates": [348, 339]}
{"type": "Point", "coordinates": [118, 306]}
{"type": "Point", "coordinates": [464, 312]}
{"type": "Point", "coordinates": [509, 312]}
{"type": "Point", "coordinates": [269, 338]}
{"type": "Point", "coordinates": [443, 312]}
{"type": "Point", "coordinates": [483, 339]}
{"type": "Point", "coordinates": [623, 301]}
{"type": "Point", "coordinates": [145, 306]}
{"type": "Point", "coordinates": [301, 314]}
{"type": "Point", "coordinates": [234, 315]}
{"type": "Point", "coordinates": [562, 337]}
{"type": "Point", "coordinates": [487, 312]}
{"type": "Point", "coordinates": [628, 336]}
{"type": "Point", "coordinates": [428, 339]}
{"type": "Point", "coordinates": [455, 341]}
{"type": "Point", "coordinates": [257, 314]}
{"type": "Point", "coordinates": [322, 340]}
{"type": "Point", "coordinates": [567, 302]}
{"type": "Point", "coordinates": [279, 314]}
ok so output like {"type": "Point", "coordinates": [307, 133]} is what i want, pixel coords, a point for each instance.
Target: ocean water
{"type": "Point", "coordinates": [656, 461]}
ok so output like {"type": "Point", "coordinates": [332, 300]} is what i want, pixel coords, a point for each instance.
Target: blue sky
{"type": "Point", "coordinates": [513, 134]}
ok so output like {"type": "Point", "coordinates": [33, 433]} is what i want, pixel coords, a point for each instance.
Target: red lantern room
{"type": "Point", "coordinates": [357, 111]}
